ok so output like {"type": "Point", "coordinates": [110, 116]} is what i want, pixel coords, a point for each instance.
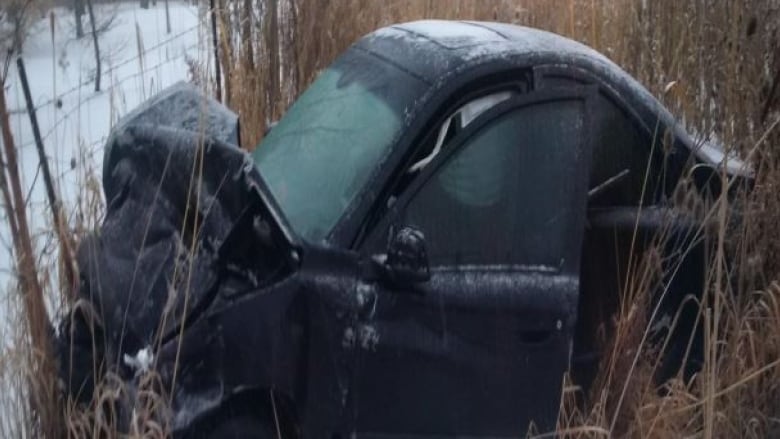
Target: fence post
{"type": "Point", "coordinates": [54, 203]}
{"type": "Point", "coordinates": [216, 50]}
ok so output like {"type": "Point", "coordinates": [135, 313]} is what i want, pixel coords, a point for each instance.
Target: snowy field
{"type": "Point", "coordinates": [139, 57]}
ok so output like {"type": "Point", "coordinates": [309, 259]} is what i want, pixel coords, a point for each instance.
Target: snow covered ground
{"type": "Point", "coordinates": [139, 58]}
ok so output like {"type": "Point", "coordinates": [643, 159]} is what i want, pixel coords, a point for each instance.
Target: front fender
{"type": "Point", "coordinates": [255, 342]}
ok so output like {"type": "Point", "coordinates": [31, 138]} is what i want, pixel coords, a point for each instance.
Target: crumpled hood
{"type": "Point", "coordinates": [185, 213]}
{"type": "Point", "coordinates": [188, 219]}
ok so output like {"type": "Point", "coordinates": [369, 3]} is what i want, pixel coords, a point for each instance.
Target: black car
{"type": "Point", "coordinates": [421, 247]}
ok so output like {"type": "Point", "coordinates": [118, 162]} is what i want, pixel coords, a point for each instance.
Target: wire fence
{"type": "Point", "coordinates": [110, 70]}
{"type": "Point", "coordinates": [79, 99]}
{"type": "Point", "coordinates": [115, 83]}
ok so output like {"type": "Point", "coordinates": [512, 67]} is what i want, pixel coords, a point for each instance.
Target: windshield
{"type": "Point", "coordinates": [322, 152]}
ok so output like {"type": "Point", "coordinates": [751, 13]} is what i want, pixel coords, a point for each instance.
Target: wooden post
{"type": "Point", "coordinates": [78, 9]}
{"type": "Point", "coordinates": [95, 42]}
{"type": "Point", "coordinates": [215, 42]}
{"type": "Point", "coordinates": [167, 18]}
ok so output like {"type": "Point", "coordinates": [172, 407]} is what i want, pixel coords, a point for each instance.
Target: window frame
{"type": "Point", "coordinates": [554, 76]}
{"type": "Point", "coordinates": [378, 236]}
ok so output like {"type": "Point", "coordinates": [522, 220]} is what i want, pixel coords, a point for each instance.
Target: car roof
{"type": "Point", "coordinates": [435, 51]}
{"type": "Point", "coordinates": [433, 48]}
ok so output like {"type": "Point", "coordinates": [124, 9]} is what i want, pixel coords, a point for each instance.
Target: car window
{"type": "Point", "coordinates": [503, 196]}
{"type": "Point", "coordinates": [321, 154]}
{"type": "Point", "coordinates": [620, 146]}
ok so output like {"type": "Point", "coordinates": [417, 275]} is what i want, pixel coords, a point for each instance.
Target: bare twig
{"type": "Point", "coordinates": [43, 393]}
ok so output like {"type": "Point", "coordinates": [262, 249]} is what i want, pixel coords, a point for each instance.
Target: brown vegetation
{"type": "Point", "coordinates": [716, 64]}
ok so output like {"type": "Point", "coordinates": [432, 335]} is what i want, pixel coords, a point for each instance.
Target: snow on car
{"type": "Point", "coordinates": [426, 244]}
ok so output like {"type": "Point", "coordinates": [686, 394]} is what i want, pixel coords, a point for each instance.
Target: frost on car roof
{"type": "Point", "coordinates": [434, 49]}
{"type": "Point", "coordinates": [476, 38]}
{"type": "Point", "coordinates": [452, 34]}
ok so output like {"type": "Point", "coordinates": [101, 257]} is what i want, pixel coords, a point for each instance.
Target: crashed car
{"type": "Point", "coordinates": [422, 246]}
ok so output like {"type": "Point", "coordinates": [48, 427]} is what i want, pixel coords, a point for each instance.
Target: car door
{"type": "Point", "coordinates": [480, 349]}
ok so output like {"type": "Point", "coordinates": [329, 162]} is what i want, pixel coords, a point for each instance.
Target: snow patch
{"type": "Point", "coordinates": [75, 120]}
{"type": "Point", "coordinates": [141, 361]}
{"type": "Point", "coordinates": [368, 337]}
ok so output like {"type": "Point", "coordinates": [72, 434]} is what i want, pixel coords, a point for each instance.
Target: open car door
{"type": "Point", "coordinates": [482, 346]}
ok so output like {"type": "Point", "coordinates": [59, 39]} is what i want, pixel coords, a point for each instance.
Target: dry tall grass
{"type": "Point", "coordinates": [714, 64]}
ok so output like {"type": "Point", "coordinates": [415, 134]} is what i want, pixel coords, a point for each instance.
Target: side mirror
{"type": "Point", "coordinates": [407, 258]}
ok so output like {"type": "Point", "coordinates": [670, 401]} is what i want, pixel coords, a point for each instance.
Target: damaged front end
{"type": "Point", "coordinates": [194, 276]}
